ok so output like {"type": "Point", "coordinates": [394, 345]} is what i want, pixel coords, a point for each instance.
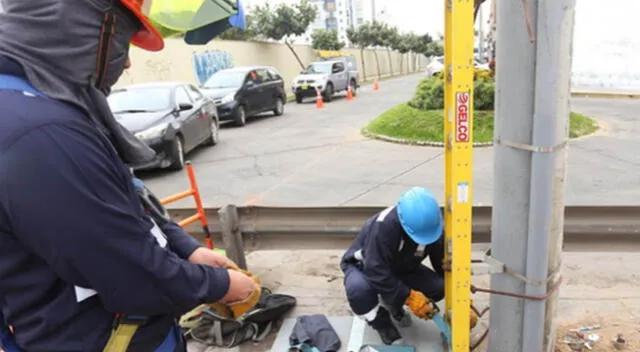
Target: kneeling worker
{"type": "Point", "coordinates": [383, 266]}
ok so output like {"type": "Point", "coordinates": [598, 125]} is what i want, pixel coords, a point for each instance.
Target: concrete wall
{"type": "Point", "coordinates": [176, 63]}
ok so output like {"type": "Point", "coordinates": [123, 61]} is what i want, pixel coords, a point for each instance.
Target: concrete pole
{"type": "Point", "coordinates": [515, 79]}
{"type": "Point", "coordinates": [554, 40]}
{"type": "Point", "coordinates": [529, 185]}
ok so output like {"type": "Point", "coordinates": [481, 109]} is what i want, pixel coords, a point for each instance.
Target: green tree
{"type": "Point", "coordinates": [401, 45]}
{"type": "Point", "coordinates": [285, 22]}
{"type": "Point", "coordinates": [326, 40]}
{"type": "Point", "coordinates": [390, 38]}
{"type": "Point", "coordinates": [238, 34]}
{"type": "Point", "coordinates": [361, 38]}
{"type": "Point", "coordinates": [379, 33]}
{"type": "Point", "coordinates": [434, 48]}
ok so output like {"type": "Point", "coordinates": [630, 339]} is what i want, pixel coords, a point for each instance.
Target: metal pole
{"type": "Point", "coordinates": [515, 79]}
{"type": "Point", "coordinates": [550, 128]}
{"type": "Point", "coordinates": [373, 10]}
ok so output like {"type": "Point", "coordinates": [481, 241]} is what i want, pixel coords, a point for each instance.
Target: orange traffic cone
{"type": "Point", "coordinates": [376, 85]}
{"type": "Point", "coordinates": [349, 93]}
{"type": "Point", "coordinates": [319, 100]}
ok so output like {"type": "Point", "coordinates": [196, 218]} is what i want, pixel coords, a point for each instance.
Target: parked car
{"type": "Point", "coordinates": [330, 77]}
{"type": "Point", "coordinates": [243, 92]}
{"type": "Point", "coordinates": [173, 118]}
{"type": "Point", "coordinates": [436, 65]}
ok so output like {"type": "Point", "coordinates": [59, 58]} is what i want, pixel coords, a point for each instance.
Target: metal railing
{"type": "Point", "coordinates": [586, 228]}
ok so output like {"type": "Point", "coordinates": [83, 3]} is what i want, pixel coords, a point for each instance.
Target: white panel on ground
{"type": "Point", "coordinates": [423, 335]}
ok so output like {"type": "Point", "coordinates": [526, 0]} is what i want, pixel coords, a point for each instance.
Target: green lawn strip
{"type": "Point", "coordinates": [415, 125]}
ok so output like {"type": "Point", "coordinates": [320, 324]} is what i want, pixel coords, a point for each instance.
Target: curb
{"type": "Point", "coordinates": [605, 95]}
{"type": "Point", "coordinates": [372, 135]}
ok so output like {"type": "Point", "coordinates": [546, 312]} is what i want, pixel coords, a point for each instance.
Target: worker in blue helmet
{"type": "Point", "coordinates": [383, 270]}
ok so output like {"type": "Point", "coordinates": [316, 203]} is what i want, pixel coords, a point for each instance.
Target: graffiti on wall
{"type": "Point", "coordinates": [206, 63]}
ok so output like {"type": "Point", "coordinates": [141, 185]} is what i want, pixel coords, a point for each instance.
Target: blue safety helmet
{"type": "Point", "coordinates": [420, 216]}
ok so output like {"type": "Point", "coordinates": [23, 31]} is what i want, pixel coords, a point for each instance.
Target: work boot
{"type": "Point", "coordinates": [383, 325]}
{"type": "Point", "coordinates": [401, 317]}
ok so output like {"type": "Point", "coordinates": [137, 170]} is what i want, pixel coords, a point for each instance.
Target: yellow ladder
{"type": "Point", "coordinates": [459, 72]}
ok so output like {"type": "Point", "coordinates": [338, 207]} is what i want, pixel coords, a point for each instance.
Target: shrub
{"type": "Point", "coordinates": [429, 94]}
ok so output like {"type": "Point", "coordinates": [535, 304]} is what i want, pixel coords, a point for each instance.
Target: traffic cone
{"type": "Point", "coordinates": [319, 100]}
{"type": "Point", "coordinates": [376, 85]}
{"type": "Point", "coordinates": [349, 93]}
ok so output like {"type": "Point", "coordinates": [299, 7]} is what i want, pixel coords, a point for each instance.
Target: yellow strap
{"type": "Point", "coordinates": [120, 338]}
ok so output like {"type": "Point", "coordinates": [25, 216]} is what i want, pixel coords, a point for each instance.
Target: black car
{"type": "Point", "coordinates": [173, 118]}
{"type": "Point", "coordinates": [243, 92]}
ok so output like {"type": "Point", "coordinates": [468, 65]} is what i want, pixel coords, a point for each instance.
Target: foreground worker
{"type": "Point", "coordinates": [383, 268]}
{"type": "Point", "coordinates": [80, 262]}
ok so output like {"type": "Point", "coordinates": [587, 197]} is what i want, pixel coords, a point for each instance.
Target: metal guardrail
{"type": "Point", "coordinates": [582, 224]}
{"type": "Point", "coordinates": [238, 229]}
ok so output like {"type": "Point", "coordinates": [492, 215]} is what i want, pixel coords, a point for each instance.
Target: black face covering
{"type": "Point", "coordinates": [75, 51]}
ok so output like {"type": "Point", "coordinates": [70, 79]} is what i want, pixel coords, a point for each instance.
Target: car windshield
{"type": "Point", "coordinates": [226, 79]}
{"type": "Point", "coordinates": [139, 100]}
{"type": "Point", "coordinates": [319, 67]}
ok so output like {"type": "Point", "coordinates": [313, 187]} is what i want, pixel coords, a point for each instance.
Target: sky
{"type": "Point", "coordinates": [426, 16]}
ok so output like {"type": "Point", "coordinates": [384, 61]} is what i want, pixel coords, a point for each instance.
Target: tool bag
{"type": "Point", "coordinates": [209, 327]}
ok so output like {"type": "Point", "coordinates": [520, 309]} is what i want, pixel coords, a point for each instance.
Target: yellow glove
{"type": "Point", "coordinates": [236, 309]}
{"type": "Point", "coordinates": [419, 305]}
{"type": "Point", "coordinates": [232, 265]}
{"type": "Point", "coordinates": [473, 318]}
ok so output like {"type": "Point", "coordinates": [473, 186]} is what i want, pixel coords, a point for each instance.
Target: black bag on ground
{"type": "Point", "coordinates": [206, 326]}
{"type": "Point", "coordinates": [315, 330]}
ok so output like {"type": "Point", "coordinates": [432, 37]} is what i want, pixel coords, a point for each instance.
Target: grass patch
{"type": "Point", "coordinates": [581, 125]}
{"type": "Point", "coordinates": [411, 124]}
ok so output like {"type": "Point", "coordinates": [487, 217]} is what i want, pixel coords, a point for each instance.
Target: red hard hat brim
{"type": "Point", "coordinates": [148, 37]}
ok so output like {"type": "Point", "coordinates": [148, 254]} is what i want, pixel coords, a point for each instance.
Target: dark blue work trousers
{"type": "Point", "coordinates": [363, 298]}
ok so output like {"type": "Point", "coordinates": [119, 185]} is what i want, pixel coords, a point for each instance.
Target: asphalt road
{"type": "Point", "coordinates": [311, 157]}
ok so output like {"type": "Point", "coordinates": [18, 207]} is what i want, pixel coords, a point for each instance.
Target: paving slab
{"type": "Point", "coordinates": [354, 333]}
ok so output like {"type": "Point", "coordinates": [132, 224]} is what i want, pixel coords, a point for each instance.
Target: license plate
{"type": "Point", "coordinates": [304, 86]}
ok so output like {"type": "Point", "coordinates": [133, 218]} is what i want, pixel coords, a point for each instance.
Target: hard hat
{"type": "Point", "coordinates": [420, 216]}
{"type": "Point", "coordinates": [165, 18]}
{"type": "Point", "coordinates": [148, 37]}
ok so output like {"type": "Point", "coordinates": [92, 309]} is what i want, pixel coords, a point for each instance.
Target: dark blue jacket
{"type": "Point", "coordinates": [383, 251]}
{"type": "Point", "coordinates": [71, 222]}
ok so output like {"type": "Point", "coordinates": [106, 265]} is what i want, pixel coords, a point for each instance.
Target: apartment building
{"type": "Point", "coordinates": [332, 14]}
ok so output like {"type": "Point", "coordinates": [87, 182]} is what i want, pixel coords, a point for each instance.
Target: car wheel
{"type": "Point", "coordinates": [214, 138]}
{"type": "Point", "coordinates": [354, 86]}
{"type": "Point", "coordinates": [241, 116]}
{"type": "Point", "coordinates": [298, 98]}
{"type": "Point", "coordinates": [328, 92]}
{"type": "Point", "coordinates": [177, 154]}
{"type": "Point", "coordinates": [279, 109]}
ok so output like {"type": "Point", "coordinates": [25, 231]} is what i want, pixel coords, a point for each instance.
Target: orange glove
{"type": "Point", "coordinates": [419, 305]}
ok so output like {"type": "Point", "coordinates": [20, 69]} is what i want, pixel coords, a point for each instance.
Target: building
{"type": "Point", "coordinates": [332, 14]}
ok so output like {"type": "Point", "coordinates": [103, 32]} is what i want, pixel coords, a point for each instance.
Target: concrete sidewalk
{"type": "Point", "coordinates": [598, 288]}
